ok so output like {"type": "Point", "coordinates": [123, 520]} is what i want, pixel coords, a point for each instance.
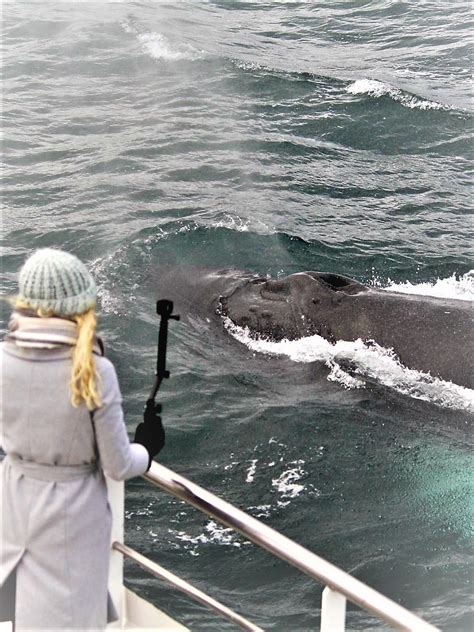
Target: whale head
{"type": "Point", "coordinates": [298, 305]}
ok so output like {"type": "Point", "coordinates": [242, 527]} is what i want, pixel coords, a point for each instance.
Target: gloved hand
{"type": "Point", "coordinates": [150, 433]}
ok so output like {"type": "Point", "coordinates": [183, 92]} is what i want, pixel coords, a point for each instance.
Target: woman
{"type": "Point", "coordinates": [61, 427]}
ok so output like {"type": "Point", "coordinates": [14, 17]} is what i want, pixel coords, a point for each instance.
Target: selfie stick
{"type": "Point", "coordinates": [164, 309]}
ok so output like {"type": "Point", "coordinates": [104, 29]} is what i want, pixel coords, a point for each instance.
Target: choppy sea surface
{"type": "Point", "coordinates": [271, 137]}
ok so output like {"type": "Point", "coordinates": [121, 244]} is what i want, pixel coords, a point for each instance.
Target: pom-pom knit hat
{"type": "Point", "coordinates": [58, 281]}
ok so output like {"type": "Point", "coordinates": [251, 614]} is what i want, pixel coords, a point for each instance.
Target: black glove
{"type": "Point", "coordinates": [150, 433]}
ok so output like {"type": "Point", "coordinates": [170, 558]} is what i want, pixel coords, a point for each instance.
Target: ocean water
{"type": "Point", "coordinates": [271, 137]}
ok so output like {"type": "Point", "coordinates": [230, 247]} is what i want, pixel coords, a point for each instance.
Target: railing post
{"type": "Point", "coordinates": [333, 611]}
{"type": "Point", "coordinates": [116, 497]}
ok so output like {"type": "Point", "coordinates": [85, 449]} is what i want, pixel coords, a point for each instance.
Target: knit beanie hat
{"type": "Point", "coordinates": [58, 281]}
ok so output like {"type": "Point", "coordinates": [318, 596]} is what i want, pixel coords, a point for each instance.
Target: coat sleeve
{"type": "Point", "coordinates": [119, 458]}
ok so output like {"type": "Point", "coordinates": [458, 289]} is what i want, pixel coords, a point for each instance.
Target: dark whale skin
{"type": "Point", "coordinates": [432, 335]}
{"type": "Point", "coordinates": [429, 334]}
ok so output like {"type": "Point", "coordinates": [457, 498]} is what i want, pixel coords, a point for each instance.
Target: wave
{"type": "Point", "coordinates": [265, 70]}
{"type": "Point", "coordinates": [157, 46]}
{"type": "Point", "coordinates": [369, 87]}
{"type": "Point", "coordinates": [377, 89]}
{"type": "Point", "coordinates": [453, 287]}
{"type": "Point", "coordinates": [355, 363]}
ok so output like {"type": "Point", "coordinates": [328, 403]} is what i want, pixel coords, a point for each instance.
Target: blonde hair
{"type": "Point", "coordinates": [84, 377]}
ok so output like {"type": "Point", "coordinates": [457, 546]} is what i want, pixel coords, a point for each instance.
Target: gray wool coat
{"type": "Point", "coordinates": [55, 521]}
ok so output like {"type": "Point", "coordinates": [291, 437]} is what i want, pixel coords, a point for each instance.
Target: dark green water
{"type": "Point", "coordinates": [271, 137]}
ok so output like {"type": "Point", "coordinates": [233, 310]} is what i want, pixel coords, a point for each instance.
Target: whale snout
{"type": "Point", "coordinates": [274, 308]}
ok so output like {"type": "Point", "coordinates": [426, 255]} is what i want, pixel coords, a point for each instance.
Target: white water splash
{"type": "Point", "coordinates": [378, 89]}
{"type": "Point", "coordinates": [160, 47]}
{"type": "Point", "coordinates": [457, 287]}
{"type": "Point", "coordinates": [110, 302]}
{"type": "Point", "coordinates": [367, 361]}
{"type": "Point", "coordinates": [232, 222]}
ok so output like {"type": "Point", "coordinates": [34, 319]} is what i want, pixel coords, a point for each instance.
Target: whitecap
{"type": "Point", "coordinates": [378, 89]}
{"type": "Point", "coordinates": [158, 46]}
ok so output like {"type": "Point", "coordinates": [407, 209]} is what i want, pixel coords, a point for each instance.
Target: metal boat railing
{"type": "Point", "coordinates": [339, 585]}
{"type": "Point", "coordinates": [185, 587]}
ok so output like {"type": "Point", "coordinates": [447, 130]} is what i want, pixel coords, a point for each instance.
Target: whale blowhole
{"type": "Point", "coordinates": [337, 282]}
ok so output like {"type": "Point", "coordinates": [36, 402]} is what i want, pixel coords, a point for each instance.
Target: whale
{"type": "Point", "coordinates": [428, 334]}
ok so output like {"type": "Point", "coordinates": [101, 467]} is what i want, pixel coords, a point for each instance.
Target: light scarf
{"type": "Point", "coordinates": [45, 333]}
